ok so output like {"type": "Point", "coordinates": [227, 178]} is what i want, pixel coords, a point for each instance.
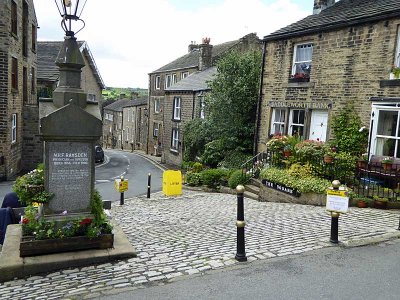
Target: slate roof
{"type": "Point", "coordinates": [343, 13]}
{"type": "Point", "coordinates": [118, 105]}
{"type": "Point", "coordinates": [194, 82]}
{"type": "Point", "coordinates": [137, 102]}
{"type": "Point", "coordinates": [47, 54]}
{"type": "Point", "coordinates": [191, 59]}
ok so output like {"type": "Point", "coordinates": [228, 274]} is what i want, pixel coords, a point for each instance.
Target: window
{"type": "Point", "coordinates": [156, 128]}
{"type": "Point", "coordinates": [156, 105]}
{"type": "Point", "coordinates": [387, 133]}
{"type": "Point", "coordinates": [14, 18]}
{"type": "Point", "coordinates": [91, 97]}
{"type": "Point", "coordinates": [34, 37]}
{"type": "Point", "coordinates": [25, 16]}
{"type": "Point", "coordinates": [278, 121]}
{"type": "Point", "coordinates": [177, 109]}
{"type": "Point", "coordinates": [167, 81]}
{"type": "Point", "coordinates": [202, 105]}
{"type": "Point", "coordinates": [129, 114]}
{"type": "Point", "coordinates": [14, 73]}
{"type": "Point", "coordinates": [14, 128]}
{"type": "Point", "coordinates": [157, 82]}
{"type": "Point", "coordinates": [296, 122]}
{"type": "Point", "coordinates": [175, 139]}
{"type": "Point", "coordinates": [302, 58]}
{"type": "Point", "coordinates": [184, 75]}
{"type": "Point", "coordinates": [33, 81]}
{"type": "Point", "coordinates": [174, 78]}
{"type": "Point", "coordinates": [127, 134]}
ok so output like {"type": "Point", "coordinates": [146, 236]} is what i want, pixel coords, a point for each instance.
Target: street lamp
{"type": "Point", "coordinates": [70, 10]}
{"type": "Point", "coordinates": [69, 59]}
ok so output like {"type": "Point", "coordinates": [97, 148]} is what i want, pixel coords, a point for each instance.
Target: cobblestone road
{"type": "Point", "coordinates": [195, 233]}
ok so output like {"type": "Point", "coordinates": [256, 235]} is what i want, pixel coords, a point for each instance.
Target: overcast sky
{"type": "Point", "coordinates": [131, 38]}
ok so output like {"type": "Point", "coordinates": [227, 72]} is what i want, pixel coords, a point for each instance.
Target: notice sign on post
{"type": "Point", "coordinates": [121, 185]}
{"type": "Point", "coordinates": [337, 201]}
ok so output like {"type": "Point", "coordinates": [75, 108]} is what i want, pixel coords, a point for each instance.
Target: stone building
{"type": "Point", "coordinates": [198, 58]}
{"type": "Point", "coordinates": [184, 101]}
{"type": "Point", "coordinates": [112, 124]}
{"type": "Point", "coordinates": [342, 54]}
{"type": "Point", "coordinates": [134, 124]}
{"type": "Point", "coordinates": [48, 71]}
{"type": "Point", "coordinates": [19, 129]}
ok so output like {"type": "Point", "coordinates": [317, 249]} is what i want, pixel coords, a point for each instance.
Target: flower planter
{"type": "Point", "coordinates": [31, 247]}
{"type": "Point", "coordinates": [362, 204]}
{"type": "Point", "coordinates": [328, 159]}
{"type": "Point", "coordinates": [362, 164]}
{"type": "Point", "coordinates": [387, 166]}
{"type": "Point", "coordinates": [287, 153]}
{"type": "Point", "coordinates": [380, 204]}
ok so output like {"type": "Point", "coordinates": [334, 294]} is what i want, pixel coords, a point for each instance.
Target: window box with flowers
{"type": "Point", "coordinates": [299, 77]}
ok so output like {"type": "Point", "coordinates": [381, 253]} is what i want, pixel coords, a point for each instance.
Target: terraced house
{"type": "Point", "coordinates": [346, 52]}
{"type": "Point", "coordinates": [163, 141]}
{"type": "Point", "coordinates": [19, 113]}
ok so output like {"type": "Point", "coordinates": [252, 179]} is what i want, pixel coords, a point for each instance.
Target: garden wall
{"type": "Point", "coordinates": [271, 195]}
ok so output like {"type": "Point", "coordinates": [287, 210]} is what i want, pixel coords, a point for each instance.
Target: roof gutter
{"type": "Point", "coordinates": [329, 27]}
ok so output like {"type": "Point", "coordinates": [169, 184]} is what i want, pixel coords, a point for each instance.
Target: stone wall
{"type": "Point", "coordinates": [268, 194]}
{"type": "Point", "coordinates": [11, 100]}
{"type": "Point", "coordinates": [88, 81]}
{"type": "Point", "coordinates": [171, 156]}
{"type": "Point", "coordinates": [347, 67]}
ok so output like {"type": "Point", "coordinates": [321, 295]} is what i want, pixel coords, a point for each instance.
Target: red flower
{"type": "Point", "coordinates": [85, 221]}
{"type": "Point", "coordinates": [25, 221]}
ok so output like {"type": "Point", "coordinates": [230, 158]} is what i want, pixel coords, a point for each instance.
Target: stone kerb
{"type": "Point", "coordinates": [268, 194]}
{"type": "Point", "coordinates": [70, 134]}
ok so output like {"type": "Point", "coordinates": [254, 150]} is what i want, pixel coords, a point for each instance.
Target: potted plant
{"type": "Point", "coordinates": [380, 202]}
{"type": "Point", "coordinates": [362, 161]}
{"type": "Point", "coordinates": [387, 163]}
{"type": "Point", "coordinates": [329, 154]}
{"type": "Point", "coordinates": [361, 202]}
{"type": "Point", "coordinates": [287, 150]}
{"type": "Point", "coordinates": [395, 72]}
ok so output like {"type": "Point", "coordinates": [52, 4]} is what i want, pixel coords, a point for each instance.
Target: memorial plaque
{"type": "Point", "coordinates": [70, 176]}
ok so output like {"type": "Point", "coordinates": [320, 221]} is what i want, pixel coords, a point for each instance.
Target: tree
{"type": "Point", "coordinates": [231, 105]}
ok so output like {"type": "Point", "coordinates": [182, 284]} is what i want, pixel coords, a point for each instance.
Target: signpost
{"type": "Point", "coordinates": [121, 186]}
{"type": "Point", "coordinates": [337, 202]}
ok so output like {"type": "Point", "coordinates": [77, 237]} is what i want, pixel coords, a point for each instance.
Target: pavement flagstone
{"type": "Point", "coordinates": [196, 232]}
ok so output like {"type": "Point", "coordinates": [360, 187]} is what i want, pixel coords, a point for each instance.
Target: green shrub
{"type": "Point", "coordinates": [238, 177]}
{"type": "Point", "coordinates": [213, 177]}
{"type": "Point", "coordinates": [300, 170]}
{"type": "Point", "coordinates": [303, 185]}
{"type": "Point", "coordinates": [193, 179]}
{"type": "Point", "coordinates": [234, 160]}
{"type": "Point", "coordinates": [197, 167]}
{"type": "Point", "coordinates": [187, 165]}
{"type": "Point", "coordinates": [213, 153]}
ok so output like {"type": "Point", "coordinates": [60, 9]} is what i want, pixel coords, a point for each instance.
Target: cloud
{"type": "Point", "coordinates": [130, 38]}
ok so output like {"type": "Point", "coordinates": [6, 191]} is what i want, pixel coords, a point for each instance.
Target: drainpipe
{"type": "Point", "coordinates": [255, 145]}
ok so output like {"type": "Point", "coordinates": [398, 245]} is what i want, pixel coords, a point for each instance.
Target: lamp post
{"type": "Point", "coordinates": [69, 59]}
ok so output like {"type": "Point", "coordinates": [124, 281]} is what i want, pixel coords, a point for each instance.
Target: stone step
{"type": "Point", "coordinates": [252, 189]}
{"type": "Point", "coordinates": [250, 195]}
{"type": "Point", "coordinates": [255, 182]}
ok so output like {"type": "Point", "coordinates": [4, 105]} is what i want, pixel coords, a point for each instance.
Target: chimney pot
{"type": "Point", "coordinates": [320, 5]}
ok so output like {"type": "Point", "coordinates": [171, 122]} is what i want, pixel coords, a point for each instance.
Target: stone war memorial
{"type": "Point", "coordinates": [70, 228]}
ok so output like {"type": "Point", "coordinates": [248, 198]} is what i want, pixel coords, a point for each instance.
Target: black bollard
{"type": "Point", "coordinates": [240, 224]}
{"type": "Point", "coordinates": [121, 199]}
{"type": "Point", "coordinates": [334, 228]}
{"type": "Point", "coordinates": [148, 185]}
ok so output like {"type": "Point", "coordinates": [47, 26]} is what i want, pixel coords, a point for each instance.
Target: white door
{"type": "Point", "coordinates": [319, 120]}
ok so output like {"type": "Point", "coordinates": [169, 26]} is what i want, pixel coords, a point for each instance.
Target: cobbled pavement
{"type": "Point", "coordinates": [194, 233]}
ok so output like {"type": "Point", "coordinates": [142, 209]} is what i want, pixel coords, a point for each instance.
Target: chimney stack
{"type": "Point", "coordinates": [192, 46]}
{"type": "Point", "coordinates": [320, 5]}
{"type": "Point", "coordinates": [205, 55]}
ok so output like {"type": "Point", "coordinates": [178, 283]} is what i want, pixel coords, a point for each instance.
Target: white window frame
{"type": "Point", "coordinates": [176, 115]}
{"type": "Point", "coordinates": [184, 75]}
{"type": "Point", "coordinates": [129, 114]}
{"type": "Point", "coordinates": [377, 109]}
{"type": "Point", "coordinates": [174, 79]}
{"type": "Point", "coordinates": [167, 81]}
{"type": "Point", "coordinates": [281, 123]}
{"type": "Point", "coordinates": [291, 123]}
{"type": "Point", "coordinates": [397, 54]}
{"type": "Point", "coordinates": [175, 139]}
{"type": "Point", "coordinates": [14, 128]}
{"type": "Point", "coordinates": [127, 134]}
{"type": "Point", "coordinates": [111, 117]}
{"type": "Point", "coordinates": [157, 82]}
{"type": "Point", "coordinates": [294, 63]}
{"type": "Point", "coordinates": [156, 128]}
{"type": "Point", "coordinates": [157, 105]}
{"type": "Point", "coordinates": [202, 107]}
